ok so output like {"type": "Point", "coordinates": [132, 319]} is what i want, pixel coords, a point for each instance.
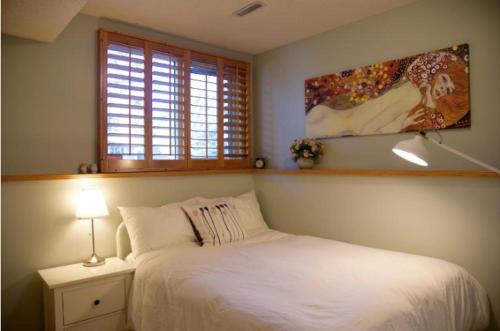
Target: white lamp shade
{"type": "Point", "coordinates": [412, 150]}
{"type": "Point", "coordinates": [91, 204]}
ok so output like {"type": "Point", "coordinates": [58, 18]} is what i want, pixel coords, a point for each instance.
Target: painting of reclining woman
{"type": "Point", "coordinates": [429, 91]}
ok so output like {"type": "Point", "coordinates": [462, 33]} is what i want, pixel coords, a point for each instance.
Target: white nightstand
{"type": "Point", "coordinates": [78, 298]}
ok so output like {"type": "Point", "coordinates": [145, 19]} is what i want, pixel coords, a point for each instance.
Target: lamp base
{"type": "Point", "coordinates": [93, 261]}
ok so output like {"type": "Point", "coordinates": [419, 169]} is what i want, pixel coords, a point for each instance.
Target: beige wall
{"type": "Point", "coordinates": [39, 229]}
{"type": "Point", "coordinates": [455, 219]}
{"type": "Point", "coordinates": [49, 96]}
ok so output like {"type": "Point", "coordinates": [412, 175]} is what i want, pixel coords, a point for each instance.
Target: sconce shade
{"type": "Point", "coordinates": [91, 204]}
{"type": "Point", "coordinates": [412, 150]}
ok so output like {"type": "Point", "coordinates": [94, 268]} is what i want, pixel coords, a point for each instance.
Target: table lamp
{"type": "Point", "coordinates": [413, 150]}
{"type": "Point", "coordinates": [90, 204]}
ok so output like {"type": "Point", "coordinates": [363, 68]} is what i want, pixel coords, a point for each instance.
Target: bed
{"type": "Point", "coordinates": [277, 281]}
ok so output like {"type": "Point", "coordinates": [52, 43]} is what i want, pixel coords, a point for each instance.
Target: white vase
{"type": "Point", "coordinates": [305, 163]}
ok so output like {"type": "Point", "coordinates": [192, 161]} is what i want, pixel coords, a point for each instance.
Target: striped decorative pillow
{"type": "Point", "coordinates": [216, 224]}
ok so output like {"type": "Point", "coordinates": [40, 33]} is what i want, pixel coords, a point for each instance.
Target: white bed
{"type": "Point", "coordinates": [276, 281]}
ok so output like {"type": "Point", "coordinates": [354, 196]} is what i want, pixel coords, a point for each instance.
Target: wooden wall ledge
{"type": "Point", "coordinates": [321, 172]}
{"type": "Point", "coordinates": [379, 172]}
{"type": "Point", "coordinates": [17, 178]}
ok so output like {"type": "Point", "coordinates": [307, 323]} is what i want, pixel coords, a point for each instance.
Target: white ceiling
{"type": "Point", "coordinates": [40, 20]}
{"type": "Point", "coordinates": [212, 21]}
{"type": "Point", "coordinates": [278, 23]}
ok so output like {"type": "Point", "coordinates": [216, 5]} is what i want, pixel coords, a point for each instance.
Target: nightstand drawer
{"type": "Point", "coordinates": [94, 299]}
{"type": "Point", "coordinates": [113, 322]}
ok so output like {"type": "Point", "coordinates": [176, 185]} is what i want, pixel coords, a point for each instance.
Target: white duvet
{"type": "Point", "coordinates": [286, 282]}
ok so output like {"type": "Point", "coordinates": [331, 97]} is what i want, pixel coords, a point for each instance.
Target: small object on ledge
{"type": "Point", "coordinates": [83, 168]}
{"type": "Point", "coordinates": [304, 163]}
{"type": "Point", "coordinates": [93, 168]}
{"type": "Point", "coordinates": [305, 152]}
{"type": "Point", "coordinates": [260, 163]}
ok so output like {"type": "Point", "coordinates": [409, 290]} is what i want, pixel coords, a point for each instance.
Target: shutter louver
{"type": "Point", "coordinates": [125, 102]}
{"type": "Point", "coordinates": [235, 111]}
{"type": "Point", "coordinates": [204, 109]}
{"type": "Point", "coordinates": [168, 120]}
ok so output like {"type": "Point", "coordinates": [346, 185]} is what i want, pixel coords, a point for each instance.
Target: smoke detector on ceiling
{"type": "Point", "coordinates": [250, 8]}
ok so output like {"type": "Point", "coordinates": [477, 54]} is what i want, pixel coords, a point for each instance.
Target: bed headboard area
{"type": "Point", "coordinates": [123, 247]}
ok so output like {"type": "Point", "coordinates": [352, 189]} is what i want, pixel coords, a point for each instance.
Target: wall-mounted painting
{"type": "Point", "coordinates": [423, 92]}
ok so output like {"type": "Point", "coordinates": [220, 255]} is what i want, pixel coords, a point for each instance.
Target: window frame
{"type": "Point", "coordinates": [108, 164]}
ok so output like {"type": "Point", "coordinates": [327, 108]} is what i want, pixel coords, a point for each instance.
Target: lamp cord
{"type": "Point", "coordinates": [440, 136]}
{"type": "Point", "coordinates": [424, 135]}
{"type": "Point", "coordinates": [93, 239]}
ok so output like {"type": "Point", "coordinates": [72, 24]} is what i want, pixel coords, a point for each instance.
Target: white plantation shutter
{"type": "Point", "coordinates": [168, 108]}
{"type": "Point", "coordinates": [236, 128]}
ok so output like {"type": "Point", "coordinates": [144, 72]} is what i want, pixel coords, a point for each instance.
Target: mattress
{"type": "Point", "coordinates": [276, 281]}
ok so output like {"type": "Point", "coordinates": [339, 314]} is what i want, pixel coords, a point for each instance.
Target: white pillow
{"type": "Point", "coordinates": [249, 211]}
{"type": "Point", "coordinates": [151, 228]}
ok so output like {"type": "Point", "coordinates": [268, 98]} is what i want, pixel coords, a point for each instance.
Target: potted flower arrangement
{"type": "Point", "coordinates": [305, 152]}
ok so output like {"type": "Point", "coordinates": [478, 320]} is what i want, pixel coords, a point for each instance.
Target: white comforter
{"type": "Point", "coordinates": [286, 282]}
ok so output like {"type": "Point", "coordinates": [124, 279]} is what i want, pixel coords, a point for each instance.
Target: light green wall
{"type": "Point", "coordinates": [49, 96]}
{"type": "Point", "coordinates": [49, 125]}
{"type": "Point", "coordinates": [39, 229]}
{"type": "Point", "coordinates": [422, 26]}
{"type": "Point", "coordinates": [456, 219]}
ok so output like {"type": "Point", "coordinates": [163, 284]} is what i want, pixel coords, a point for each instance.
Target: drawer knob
{"type": "Point", "coordinates": [97, 302]}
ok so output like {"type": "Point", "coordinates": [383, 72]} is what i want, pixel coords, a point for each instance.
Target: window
{"type": "Point", "coordinates": [167, 108]}
{"type": "Point", "coordinates": [204, 109]}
